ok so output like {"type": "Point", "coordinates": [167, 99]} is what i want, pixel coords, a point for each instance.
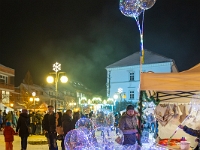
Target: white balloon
{"type": "Point", "coordinates": [130, 8]}
{"type": "Point", "coordinates": [146, 4]}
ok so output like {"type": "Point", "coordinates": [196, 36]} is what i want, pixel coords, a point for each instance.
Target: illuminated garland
{"type": "Point", "coordinates": [149, 99]}
{"type": "Point", "coordinates": [143, 98]}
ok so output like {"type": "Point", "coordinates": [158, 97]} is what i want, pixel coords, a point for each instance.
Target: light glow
{"type": "Point", "coordinates": [64, 79]}
{"type": "Point", "coordinates": [115, 96]}
{"type": "Point", "coordinates": [50, 79]}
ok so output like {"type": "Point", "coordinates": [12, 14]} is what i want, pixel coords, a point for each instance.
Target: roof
{"type": "Point", "coordinates": [188, 80]}
{"type": "Point", "coordinates": [134, 59]}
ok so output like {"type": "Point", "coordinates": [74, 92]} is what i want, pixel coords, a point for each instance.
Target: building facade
{"type": "Point", "coordinates": [6, 85]}
{"type": "Point", "coordinates": [123, 76]}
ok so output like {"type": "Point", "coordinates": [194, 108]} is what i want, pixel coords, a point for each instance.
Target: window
{"type": "Point", "coordinates": [3, 79]}
{"type": "Point", "coordinates": [131, 76]}
{"type": "Point", "coordinates": [131, 94]}
{"type": "Point", "coordinates": [5, 96]}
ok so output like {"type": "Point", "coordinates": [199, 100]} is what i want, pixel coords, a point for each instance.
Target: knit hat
{"type": "Point", "coordinates": [8, 124]}
{"type": "Point", "coordinates": [24, 110]}
{"type": "Point", "coordinates": [129, 107]}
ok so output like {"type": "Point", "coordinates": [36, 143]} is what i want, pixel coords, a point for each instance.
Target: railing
{"type": "Point", "coordinates": [7, 86]}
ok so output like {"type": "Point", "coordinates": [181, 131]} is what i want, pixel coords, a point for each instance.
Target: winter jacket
{"type": "Point", "coordinates": [9, 117]}
{"type": "Point", "coordinates": [127, 122]}
{"type": "Point", "coordinates": [66, 123]}
{"type": "Point", "coordinates": [8, 134]}
{"type": "Point", "coordinates": [49, 122]}
{"type": "Point", "coordinates": [22, 125]}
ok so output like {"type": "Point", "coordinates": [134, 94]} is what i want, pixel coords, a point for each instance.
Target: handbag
{"type": "Point", "coordinates": [29, 128]}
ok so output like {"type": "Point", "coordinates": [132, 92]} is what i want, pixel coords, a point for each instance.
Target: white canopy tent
{"type": "Point", "coordinates": [2, 107]}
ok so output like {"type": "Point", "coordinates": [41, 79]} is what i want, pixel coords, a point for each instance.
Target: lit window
{"type": "Point", "coordinates": [131, 76]}
{"type": "Point", "coordinates": [131, 94]}
{"type": "Point", "coordinates": [3, 79]}
{"type": "Point", "coordinates": [5, 96]}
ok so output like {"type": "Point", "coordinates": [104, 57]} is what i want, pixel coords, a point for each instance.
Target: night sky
{"type": "Point", "coordinates": [85, 36]}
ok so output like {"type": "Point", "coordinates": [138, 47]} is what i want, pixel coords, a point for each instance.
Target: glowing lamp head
{"type": "Point", "coordinates": [33, 94]}
{"type": "Point", "coordinates": [115, 96]}
{"type": "Point", "coordinates": [37, 99]}
{"type": "Point", "coordinates": [64, 79]}
{"type": "Point", "coordinates": [50, 79]}
{"type": "Point", "coordinates": [104, 102]}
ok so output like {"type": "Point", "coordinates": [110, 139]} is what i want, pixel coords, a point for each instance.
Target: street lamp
{"type": "Point", "coordinates": [34, 99]}
{"type": "Point", "coordinates": [118, 95]}
{"type": "Point", "coordinates": [56, 73]}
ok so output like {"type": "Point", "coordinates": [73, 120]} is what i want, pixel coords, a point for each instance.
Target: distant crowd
{"type": "Point", "coordinates": [53, 125]}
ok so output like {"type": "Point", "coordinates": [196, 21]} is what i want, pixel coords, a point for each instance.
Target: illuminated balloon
{"type": "Point", "coordinates": [75, 138]}
{"type": "Point", "coordinates": [130, 8]}
{"type": "Point", "coordinates": [146, 4]}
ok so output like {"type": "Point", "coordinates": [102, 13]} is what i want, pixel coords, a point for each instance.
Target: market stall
{"type": "Point", "coordinates": [174, 91]}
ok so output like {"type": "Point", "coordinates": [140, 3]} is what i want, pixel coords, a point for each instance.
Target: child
{"type": "Point", "coordinates": [8, 136]}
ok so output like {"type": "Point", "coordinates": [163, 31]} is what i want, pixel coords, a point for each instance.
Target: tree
{"type": "Point", "coordinates": [28, 79]}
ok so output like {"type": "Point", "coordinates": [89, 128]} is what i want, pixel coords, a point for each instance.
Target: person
{"type": "Point", "coordinates": [66, 124]}
{"type": "Point", "coordinates": [8, 133]}
{"type": "Point", "coordinates": [22, 126]}
{"type": "Point", "coordinates": [38, 119]}
{"type": "Point", "coordinates": [4, 117]}
{"type": "Point", "coordinates": [192, 132]}
{"type": "Point", "coordinates": [9, 117]}
{"type": "Point", "coordinates": [14, 120]}
{"type": "Point", "coordinates": [1, 120]}
{"type": "Point", "coordinates": [76, 117]}
{"type": "Point", "coordinates": [49, 127]}
{"type": "Point", "coordinates": [59, 128]}
{"type": "Point", "coordinates": [128, 125]}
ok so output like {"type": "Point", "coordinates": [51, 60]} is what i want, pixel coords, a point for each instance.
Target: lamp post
{"type": "Point", "coordinates": [56, 73]}
{"type": "Point", "coordinates": [34, 99]}
{"type": "Point", "coordinates": [116, 96]}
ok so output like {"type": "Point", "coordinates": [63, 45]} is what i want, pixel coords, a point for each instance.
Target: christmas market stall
{"type": "Point", "coordinates": [177, 98]}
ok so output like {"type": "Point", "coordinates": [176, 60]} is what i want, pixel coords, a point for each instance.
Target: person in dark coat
{"type": "Point", "coordinates": [49, 127]}
{"type": "Point", "coordinates": [66, 124]}
{"type": "Point", "coordinates": [22, 126]}
{"type": "Point", "coordinates": [4, 117]}
{"type": "Point", "coordinates": [76, 117]}
{"type": "Point", "coordinates": [192, 132]}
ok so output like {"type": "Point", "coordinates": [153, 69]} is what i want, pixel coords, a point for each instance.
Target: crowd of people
{"type": "Point", "coordinates": [55, 126]}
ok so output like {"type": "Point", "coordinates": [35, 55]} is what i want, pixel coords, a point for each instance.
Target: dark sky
{"type": "Point", "coordinates": [85, 36]}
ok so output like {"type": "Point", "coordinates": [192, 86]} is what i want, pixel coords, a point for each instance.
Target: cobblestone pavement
{"type": "Point", "coordinates": [36, 139]}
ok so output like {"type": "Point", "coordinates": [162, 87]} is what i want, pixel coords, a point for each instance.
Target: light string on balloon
{"type": "Point", "coordinates": [133, 9]}
{"type": "Point", "coordinates": [140, 27]}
